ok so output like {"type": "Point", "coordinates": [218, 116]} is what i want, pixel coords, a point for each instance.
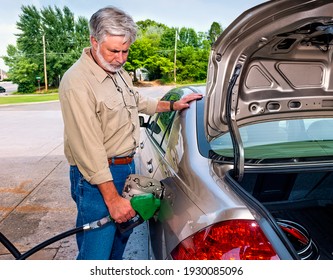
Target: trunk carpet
{"type": "Point", "coordinates": [318, 221]}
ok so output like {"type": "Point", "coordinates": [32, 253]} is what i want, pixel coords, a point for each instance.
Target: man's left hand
{"type": "Point", "coordinates": [183, 103]}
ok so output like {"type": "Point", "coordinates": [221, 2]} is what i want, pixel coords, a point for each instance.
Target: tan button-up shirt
{"type": "Point", "coordinates": [99, 121]}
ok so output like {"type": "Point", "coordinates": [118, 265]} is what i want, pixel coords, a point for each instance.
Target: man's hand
{"type": "Point", "coordinates": [164, 106]}
{"type": "Point", "coordinates": [184, 102]}
{"type": "Point", "coordinates": [120, 209]}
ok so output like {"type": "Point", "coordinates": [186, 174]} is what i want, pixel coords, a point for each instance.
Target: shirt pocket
{"type": "Point", "coordinates": [113, 114]}
{"type": "Point", "coordinates": [114, 101]}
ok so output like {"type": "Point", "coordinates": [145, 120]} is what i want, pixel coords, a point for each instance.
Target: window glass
{"type": "Point", "coordinates": [165, 122]}
{"type": "Point", "coordinates": [160, 124]}
{"type": "Point", "coordinates": [302, 138]}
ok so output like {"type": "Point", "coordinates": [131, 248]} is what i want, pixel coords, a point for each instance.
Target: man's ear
{"type": "Point", "coordinates": [93, 42]}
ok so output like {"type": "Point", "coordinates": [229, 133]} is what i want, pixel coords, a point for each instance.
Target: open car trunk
{"type": "Point", "coordinates": [303, 199]}
{"type": "Point", "coordinates": [273, 66]}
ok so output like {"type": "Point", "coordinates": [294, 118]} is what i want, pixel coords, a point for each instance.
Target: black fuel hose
{"type": "Point", "coordinates": [50, 241]}
{"type": "Point", "coordinates": [10, 246]}
{"type": "Point", "coordinates": [18, 256]}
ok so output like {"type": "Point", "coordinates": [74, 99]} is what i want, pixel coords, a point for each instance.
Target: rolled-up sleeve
{"type": "Point", "coordinates": [147, 105]}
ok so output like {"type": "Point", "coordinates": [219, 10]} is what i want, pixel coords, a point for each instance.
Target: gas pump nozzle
{"type": "Point", "coordinates": [145, 195]}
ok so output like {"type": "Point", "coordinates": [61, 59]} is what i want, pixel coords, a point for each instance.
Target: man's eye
{"type": "Point", "coordinates": [116, 51]}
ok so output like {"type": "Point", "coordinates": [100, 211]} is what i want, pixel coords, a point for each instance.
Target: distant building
{"type": "Point", "coordinates": [142, 74]}
{"type": "Point", "coordinates": [3, 75]}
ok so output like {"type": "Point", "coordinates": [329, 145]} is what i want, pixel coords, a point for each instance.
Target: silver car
{"type": "Point", "coordinates": [247, 170]}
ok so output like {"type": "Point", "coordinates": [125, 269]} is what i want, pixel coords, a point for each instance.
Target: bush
{"type": "Point", "coordinates": [26, 88]}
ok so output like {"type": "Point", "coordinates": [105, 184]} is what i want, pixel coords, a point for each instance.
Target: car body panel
{"type": "Point", "coordinates": [285, 67]}
{"type": "Point", "coordinates": [195, 197]}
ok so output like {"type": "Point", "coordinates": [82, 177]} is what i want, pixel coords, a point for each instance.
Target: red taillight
{"type": "Point", "coordinates": [229, 240]}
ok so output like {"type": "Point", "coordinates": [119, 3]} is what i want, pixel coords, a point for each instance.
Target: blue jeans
{"type": "Point", "coordinates": [105, 243]}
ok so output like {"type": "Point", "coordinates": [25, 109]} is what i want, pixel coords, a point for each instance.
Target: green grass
{"type": "Point", "coordinates": [28, 98]}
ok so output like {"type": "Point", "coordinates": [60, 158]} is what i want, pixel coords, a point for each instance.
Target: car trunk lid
{"type": "Point", "coordinates": [274, 62]}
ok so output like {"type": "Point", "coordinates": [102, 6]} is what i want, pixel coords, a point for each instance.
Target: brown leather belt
{"type": "Point", "coordinates": [120, 160]}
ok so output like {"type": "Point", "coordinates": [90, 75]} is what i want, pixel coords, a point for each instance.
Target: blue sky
{"type": "Point", "coordinates": [197, 14]}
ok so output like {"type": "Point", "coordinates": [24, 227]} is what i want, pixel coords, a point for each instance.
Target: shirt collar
{"type": "Point", "coordinates": [96, 70]}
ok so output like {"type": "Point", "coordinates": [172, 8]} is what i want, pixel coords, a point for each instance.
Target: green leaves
{"type": "Point", "coordinates": [64, 40]}
{"type": "Point", "coordinates": [155, 49]}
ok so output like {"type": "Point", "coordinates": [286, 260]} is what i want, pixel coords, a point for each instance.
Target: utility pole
{"type": "Point", "coordinates": [175, 58]}
{"type": "Point", "coordinates": [45, 71]}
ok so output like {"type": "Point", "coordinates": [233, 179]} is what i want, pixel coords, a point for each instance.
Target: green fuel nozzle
{"type": "Point", "coordinates": [145, 205]}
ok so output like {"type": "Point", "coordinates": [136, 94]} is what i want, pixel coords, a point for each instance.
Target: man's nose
{"type": "Point", "coordinates": [121, 57]}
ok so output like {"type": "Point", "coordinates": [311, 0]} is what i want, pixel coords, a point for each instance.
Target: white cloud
{"type": "Point", "coordinates": [7, 36]}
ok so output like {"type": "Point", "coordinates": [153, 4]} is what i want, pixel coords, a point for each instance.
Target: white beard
{"type": "Point", "coordinates": [107, 66]}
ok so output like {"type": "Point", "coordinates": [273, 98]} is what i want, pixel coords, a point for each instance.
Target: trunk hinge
{"type": "Point", "coordinates": [231, 110]}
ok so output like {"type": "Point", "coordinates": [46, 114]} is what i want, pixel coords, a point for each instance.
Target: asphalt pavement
{"type": "Point", "coordinates": [35, 202]}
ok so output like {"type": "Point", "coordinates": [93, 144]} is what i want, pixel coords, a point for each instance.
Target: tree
{"type": "Point", "coordinates": [143, 25]}
{"type": "Point", "coordinates": [64, 40]}
{"type": "Point", "coordinates": [29, 41]}
{"type": "Point", "coordinates": [65, 36]}
{"type": "Point", "coordinates": [188, 37]}
{"type": "Point", "coordinates": [159, 67]}
{"type": "Point", "coordinates": [192, 64]}
{"type": "Point", "coordinates": [22, 70]}
{"type": "Point", "coordinates": [214, 32]}
{"type": "Point", "coordinates": [145, 47]}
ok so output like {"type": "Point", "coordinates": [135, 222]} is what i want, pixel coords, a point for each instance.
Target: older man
{"type": "Point", "coordinates": [100, 112]}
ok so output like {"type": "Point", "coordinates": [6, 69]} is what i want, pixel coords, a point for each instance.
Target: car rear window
{"type": "Point", "coordinates": [285, 139]}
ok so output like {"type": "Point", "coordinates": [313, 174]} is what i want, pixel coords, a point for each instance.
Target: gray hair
{"type": "Point", "coordinates": [112, 21]}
